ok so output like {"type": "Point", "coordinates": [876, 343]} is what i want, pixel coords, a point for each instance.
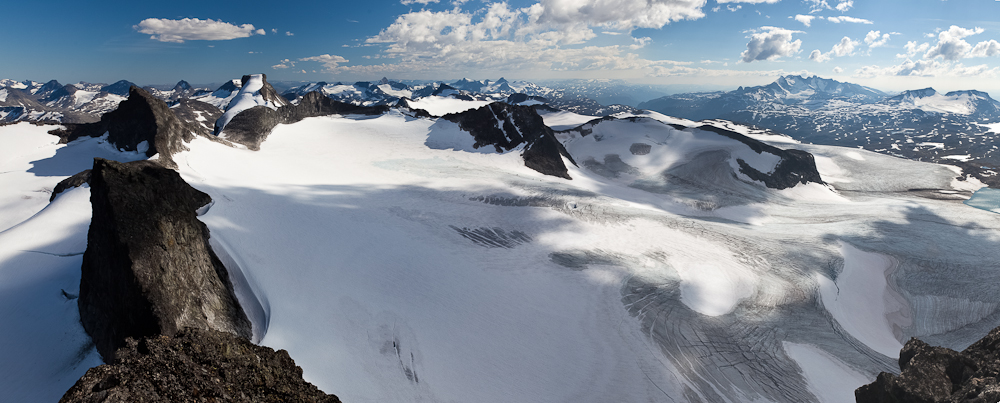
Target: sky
{"type": "Point", "coordinates": [891, 45]}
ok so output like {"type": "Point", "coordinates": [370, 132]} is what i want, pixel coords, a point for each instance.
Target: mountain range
{"type": "Point", "coordinates": [958, 127]}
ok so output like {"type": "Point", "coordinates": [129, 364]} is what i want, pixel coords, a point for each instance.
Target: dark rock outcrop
{"type": "Point", "coordinates": [252, 126]}
{"type": "Point", "coordinates": [197, 113]}
{"type": "Point", "coordinates": [796, 166]}
{"type": "Point", "coordinates": [506, 127]}
{"type": "Point", "coordinates": [148, 268]}
{"type": "Point", "coordinates": [316, 104]}
{"type": "Point", "coordinates": [937, 374]}
{"type": "Point", "coordinates": [73, 181]}
{"type": "Point", "coordinates": [140, 119]}
{"type": "Point", "coordinates": [196, 366]}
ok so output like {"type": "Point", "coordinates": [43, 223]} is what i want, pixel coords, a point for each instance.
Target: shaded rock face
{"type": "Point", "coordinates": [316, 104]}
{"type": "Point", "coordinates": [141, 121]}
{"type": "Point", "coordinates": [148, 268]}
{"type": "Point", "coordinates": [199, 114]}
{"type": "Point", "coordinates": [252, 126]}
{"type": "Point", "coordinates": [76, 180]}
{"type": "Point", "coordinates": [796, 166]}
{"type": "Point", "coordinates": [937, 374]}
{"type": "Point", "coordinates": [196, 366]}
{"type": "Point", "coordinates": [506, 127]}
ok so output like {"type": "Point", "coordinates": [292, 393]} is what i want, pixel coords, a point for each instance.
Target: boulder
{"type": "Point", "coordinates": [148, 268]}
{"type": "Point", "coordinates": [196, 366]}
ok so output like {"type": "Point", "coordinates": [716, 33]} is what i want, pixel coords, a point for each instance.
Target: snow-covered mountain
{"type": "Point", "coordinates": [956, 128]}
{"type": "Point", "coordinates": [403, 257]}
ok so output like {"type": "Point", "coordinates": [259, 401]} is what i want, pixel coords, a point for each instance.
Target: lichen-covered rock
{"type": "Point", "coordinates": [148, 268]}
{"type": "Point", "coordinates": [937, 374]}
{"type": "Point", "coordinates": [196, 366]}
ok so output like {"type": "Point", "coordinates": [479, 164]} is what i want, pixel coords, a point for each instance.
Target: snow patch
{"type": "Point", "coordinates": [863, 302]}
{"type": "Point", "coordinates": [828, 378]}
{"type": "Point", "coordinates": [440, 106]}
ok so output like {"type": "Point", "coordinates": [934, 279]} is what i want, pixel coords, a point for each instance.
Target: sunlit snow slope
{"type": "Point", "coordinates": [396, 272]}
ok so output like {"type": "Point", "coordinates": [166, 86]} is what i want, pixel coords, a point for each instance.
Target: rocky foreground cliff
{"type": "Point", "coordinates": [938, 375]}
{"type": "Point", "coordinates": [159, 304]}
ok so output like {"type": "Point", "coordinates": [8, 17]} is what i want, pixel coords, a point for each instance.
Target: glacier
{"type": "Point", "coordinates": [394, 271]}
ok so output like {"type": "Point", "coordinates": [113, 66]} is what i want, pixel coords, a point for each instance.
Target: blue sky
{"type": "Point", "coordinates": [891, 45]}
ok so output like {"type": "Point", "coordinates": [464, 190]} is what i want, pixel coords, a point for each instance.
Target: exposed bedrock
{"type": "Point", "coordinates": [251, 127]}
{"type": "Point", "coordinates": [148, 268]}
{"type": "Point", "coordinates": [196, 366]}
{"type": "Point", "coordinates": [506, 127]}
{"type": "Point", "coordinates": [796, 166]}
{"type": "Point", "coordinates": [938, 374]}
{"type": "Point", "coordinates": [141, 123]}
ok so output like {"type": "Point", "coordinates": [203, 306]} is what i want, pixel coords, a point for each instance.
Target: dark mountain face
{"type": "Point", "coordinates": [505, 127]}
{"type": "Point", "coordinates": [119, 88]}
{"type": "Point", "coordinates": [182, 85]}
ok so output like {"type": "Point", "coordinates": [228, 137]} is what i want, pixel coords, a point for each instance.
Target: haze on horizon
{"type": "Point", "coordinates": [889, 45]}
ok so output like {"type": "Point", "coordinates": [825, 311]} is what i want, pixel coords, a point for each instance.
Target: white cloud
{"type": "Point", "coordinates": [640, 42]}
{"type": "Point", "coordinates": [986, 48]}
{"type": "Point", "coordinates": [876, 39]}
{"type": "Point", "coordinates": [912, 49]}
{"type": "Point", "coordinates": [845, 5]}
{"type": "Point", "coordinates": [542, 36]}
{"type": "Point", "coordinates": [838, 70]}
{"type": "Point", "coordinates": [818, 56]}
{"type": "Point", "coordinates": [928, 68]}
{"type": "Point", "coordinates": [673, 71]}
{"type": "Point", "coordinates": [951, 45]}
{"type": "Point", "coordinates": [734, 8]}
{"type": "Point", "coordinates": [843, 48]}
{"type": "Point", "coordinates": [287, 33]}
{"type": "Point", "coordinates": [845, 18]}
{"type": "Point", "coordinates": [616, 14]}
{"type": "Point", "coordinates": [770, 43]}
{"type": "Point", "coordinates": [818, 5]}
{"type": "Point", "coordinates": [805, 19]}
{"type": "Point", "coordinates": [749, 1]}
{"type": "Point", "coordinates": [284, 64]}
{"type": "Point", "coordinates": [193, 29]}
{"type": "Point", "coordinates": [330, 62]}
{"type": "Point", "coordinates": [424, 2]}
{"type": "Point", "coordinates": [274, 30]}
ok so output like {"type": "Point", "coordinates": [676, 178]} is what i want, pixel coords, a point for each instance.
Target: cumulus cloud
{"type": "Point", "coordinates": [331, 62]}
{"type": "Point", "coordinates": [193, 29]}
{"type": "Point", "coordinates": [770, 43]}
{"type": "Point", "coordinates": [537, 37]}
{"type": "Point", "coordinates": [838, 70]}
{"type": "Point", "coordinates": [928, 68]}
{"type": "Point", "coordinates": [640, 42]}
{"type": "Point", "coordinates": [845, 18]}
{"type": "Point", "coordinates": [805, 19]}
{"type": "Point", "coordinates": [876, 39]}
{"type": "Point", "coordinates": [984, 49]}
{"type": "Point", "coordinates": [951, 45]}
{"type": "Point", "coordinates": [616, 14]}
{"type": "Point", "coordinates": [845, 5]}
{"type": "Point", "coordinates": [912, 49]}
{"type": "Point", "coordinates": [749, 1]}
{"type": "Point", "coordinates": [843, 48]}
{"type": "Point", "coordinates": [284, 64]}
{"type": "Point", "coordinates": [424, 2]}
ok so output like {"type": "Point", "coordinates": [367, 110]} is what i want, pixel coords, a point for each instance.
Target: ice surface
{"type": "Point", "coordinates": [395, 263]}
{"type": "Point", "coordinates": [440, 106]}
{"type": "Point", "coordinates": [864, 303]}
